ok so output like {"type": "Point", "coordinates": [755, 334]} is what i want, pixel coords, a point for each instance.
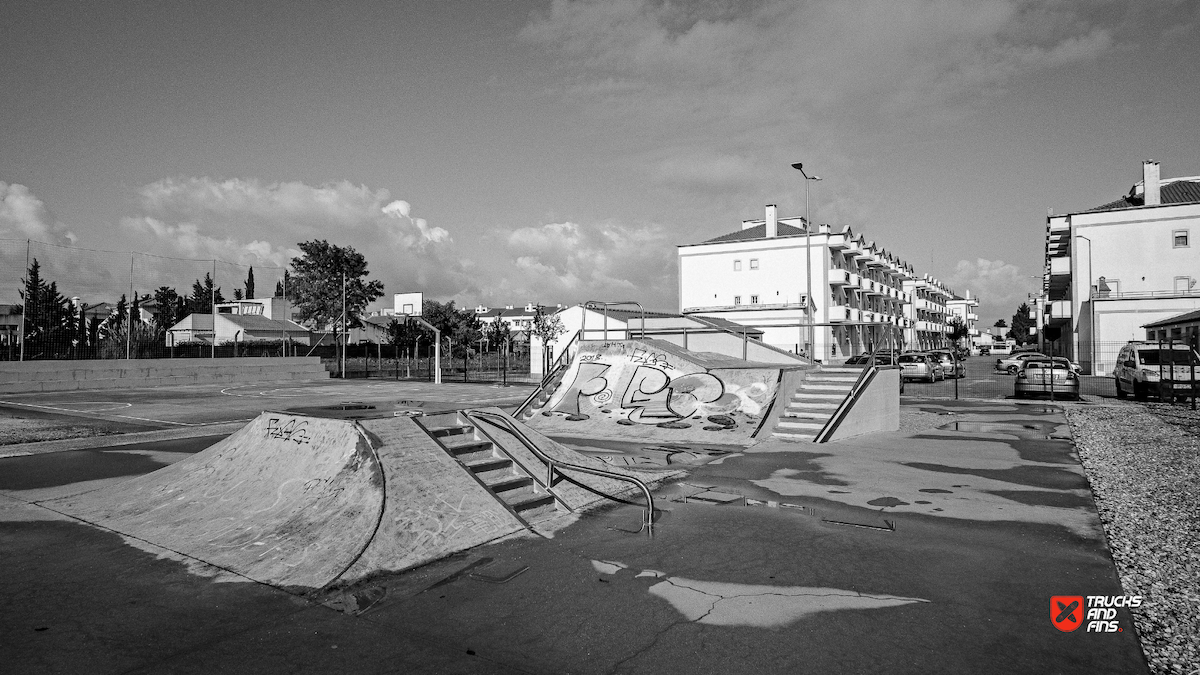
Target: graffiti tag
{"type": "Point", "coordinates": [293, 430]}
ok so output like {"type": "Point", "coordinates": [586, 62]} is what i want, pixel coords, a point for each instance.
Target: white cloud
{"type": "Point", "coordinates": [24, 216]}
{"type": "Point", "coordinates": [572, 262]}
{"type": "Point", "coordinates": [249, 223]}
{"type": "Point", "coordinates": [1000, 287]}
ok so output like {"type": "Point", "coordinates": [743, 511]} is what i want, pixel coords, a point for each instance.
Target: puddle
{"type": "Point", "coordinates": [1015, 428]}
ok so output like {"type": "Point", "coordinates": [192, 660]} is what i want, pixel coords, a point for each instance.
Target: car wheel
{"type": "Point", "coordinates": [1121, 393]}
{"type": "Point", "coordinates": [1139, 393]}
{"type": "Point", "coordinates": [1012, 370]}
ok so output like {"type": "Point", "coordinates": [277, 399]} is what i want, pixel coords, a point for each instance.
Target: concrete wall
{"type": "Point", "coordinates": [35, 376]}
{"type": "Point", "coordinates": [877, 408]}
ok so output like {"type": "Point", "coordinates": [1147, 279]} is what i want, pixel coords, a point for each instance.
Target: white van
{"type": "Point", "coordinates": [1142, 368]}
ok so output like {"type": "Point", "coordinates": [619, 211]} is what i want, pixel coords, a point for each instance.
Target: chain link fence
{"type": "Point", "coordinates": [62, 302]}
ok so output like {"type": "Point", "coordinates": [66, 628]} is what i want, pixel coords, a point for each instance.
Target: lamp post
{"type": "Point", "coordinates": [1091, 311]}
{"type": "Point", "coordinates": [812, 336]}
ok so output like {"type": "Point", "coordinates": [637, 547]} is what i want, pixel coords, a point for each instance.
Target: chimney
{"type": "Point", "coordinates": [772, 221]}
{"type": "Point", "coordinates": [1150, 191]}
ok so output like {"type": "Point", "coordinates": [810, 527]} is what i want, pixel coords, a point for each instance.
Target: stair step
{"type": "Point", "coordinates": [816, 396]}
{"type": "Point", "coordinates": [828, 406]}
{"type": "Point", "coordinates": [487, 464]}
{"type": "Point", "coordinates": [788, 425]}
{"type": "Point", "coordinates": [834, 377]}
{"type": "Point", "coordinates": [824, 388]}
{"type": "Point", "coordinates": [443, 432]}
{"type": "Point", "coordinates": [808, 438]}
{"type": "Point", "coordinates": [525, 503]}
{"type": "Point", "coordinates": [502, 483]}
{"type": "Point", "coordinates": [802, 415]}
{"type": "Point", "coordinates": [467, 445]}
{"type": "Point", "coordinates": [840, 370]}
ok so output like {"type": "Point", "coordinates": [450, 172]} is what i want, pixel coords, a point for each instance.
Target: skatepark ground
{"type": "Point", "coordinates": [932, 549]}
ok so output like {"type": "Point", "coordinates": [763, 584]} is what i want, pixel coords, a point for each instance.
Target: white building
{"type": "Point", "coordinates": [255, 320]}
{"type": "Point", "coordinates": [760, 276]}
{"type": "Point", "coordinates": [964, 309]}
{"type": "Point", "coordinates": [1115, 268]}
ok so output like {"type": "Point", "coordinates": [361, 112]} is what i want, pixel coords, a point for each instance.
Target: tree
{"type": "Point", "coordinates": [250, 284]}
{"type": "Point", "coordinates": [958, 330]}
{"type": "Point", "coordinates": [168, 301]}
{"type": "Point", "coordinates": [204, 296]}
{"type": "Point", "coordinates": [317, 286]}
{"type": "Point", "coordinates": [1021, 323]}
{"type": "Point", "coordinates": [1000, 323]}
{"type": "Point", "coordinates": [498, 332]}
{"type": "Point", "coordinates": [460, 326]}
{"type": "Point", "coordinates": [237, 294]}
{"type": "Point", "coordinates": [547, 327]}
{"type": "Point", "coordinates": [285, 282]}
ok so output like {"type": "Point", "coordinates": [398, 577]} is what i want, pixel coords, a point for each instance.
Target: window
{"type": "Point", "coordinates": [754, 263]}
{"type": "Point", "coordinates": [737, 299]}
{"type": "Point", "coordinates": [754, 299]}
{"type": "Point", "coordinates": [1180, 237]}
{"type": "Point", "coordinates": [1183, 284]}
{"type": "Point", "coordinates": [737, 267]}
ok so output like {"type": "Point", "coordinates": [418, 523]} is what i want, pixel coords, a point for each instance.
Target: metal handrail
{"type": "Point", "coordinates": [559, 363]}
{"type": "Point", "coordinates": [591, 304]}
{"type": "Point", "coordinates": [551, 463]}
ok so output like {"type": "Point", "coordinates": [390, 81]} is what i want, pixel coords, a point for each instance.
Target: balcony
{"type": "Point", "coordinates": [854, 279]}
{"type": "Point", "coordinates": [838, 313]}
{"type": "Point", "coordinates": [1060, 266]}
{"type": "Point", "coordinates": [838, 277]}
{"type": "Point", "coordinates": [972, 317]}
{"type": "Point", "coordinates": [1059, 309]}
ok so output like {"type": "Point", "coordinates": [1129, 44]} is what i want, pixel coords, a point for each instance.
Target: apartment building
{"type": "Point", "coordinates": [965, 310]}
{"type": "Point", "coordinates": [1113, 269]}
{"type": "Point", "coordinates": [764, 274]}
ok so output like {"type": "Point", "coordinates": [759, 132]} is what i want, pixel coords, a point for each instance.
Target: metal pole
{"type": "Point", "coordinates": [129, 325]}
{"type": "Point", "coordinates": [213, 305]}
{"type": "Point", "coordinates": [25, 306]}
{"type": "Point", "coordinates": [345, 337]}
{"type": "Point", "coordinates": [808, 272]}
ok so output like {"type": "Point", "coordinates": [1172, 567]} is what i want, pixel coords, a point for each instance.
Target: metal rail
{"type": "Point", "coordinates": [554, 466]}
{"type": "Point", "coordinates": [563, 360]}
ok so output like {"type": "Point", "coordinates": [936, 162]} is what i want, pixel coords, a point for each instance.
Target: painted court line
{"type": "Point", "coordinates": [131, 417]}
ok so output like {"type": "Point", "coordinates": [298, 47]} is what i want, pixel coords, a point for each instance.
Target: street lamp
{"type": "Point", "coordinates": [1091, 310]}
{"type": "Point", "coordinates": [812, 336]}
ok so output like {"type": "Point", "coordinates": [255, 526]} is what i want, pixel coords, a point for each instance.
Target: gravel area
{"type": "Point", "coordinates": [1143, 462]}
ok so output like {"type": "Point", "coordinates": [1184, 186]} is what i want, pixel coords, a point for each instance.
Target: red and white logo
{"type": "Point", "coordinates": [1066, 612]}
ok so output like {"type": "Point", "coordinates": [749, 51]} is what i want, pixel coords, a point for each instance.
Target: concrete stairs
{"type": "Point", "coordinates": [814, 402]}
{"type": "Point", "coordinates": [543, 395]}
{"type": "Point", "coordinates": [503, 477]}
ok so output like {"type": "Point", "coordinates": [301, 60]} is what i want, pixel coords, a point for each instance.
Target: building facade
{"type": "Point", "coordinates": [1115, 268]}
{"type": "Point", "coordinates": [861, 295]}
{"type": "Point", "coordinates": [965, 310]}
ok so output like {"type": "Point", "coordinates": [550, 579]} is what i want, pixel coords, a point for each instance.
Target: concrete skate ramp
{"type": "Point", "coordinates": [654, 390]}
{"type": "Point", "coordinates": [300, 502]}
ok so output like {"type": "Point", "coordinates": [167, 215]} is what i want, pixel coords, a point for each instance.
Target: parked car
{"type": "Point", "coordinates": [1012, 364]}
{"type": "Point", "coordinates": [1141, 366]}
{"type": "Point", "coordinates": [952, 366]}
{"type": "Point", "coordinates": [919, 366]}
{"type": "Point", "coordinates": [881, 359]}
{"type": "Point", "coordinates": [1044, 376]}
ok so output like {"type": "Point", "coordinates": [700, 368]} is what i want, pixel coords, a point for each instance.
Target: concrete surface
{"type": "Point", "coordinates": [933, 551]}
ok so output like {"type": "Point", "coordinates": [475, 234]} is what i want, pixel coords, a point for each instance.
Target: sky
{"type": "Point", "coordinates": [558, 151]}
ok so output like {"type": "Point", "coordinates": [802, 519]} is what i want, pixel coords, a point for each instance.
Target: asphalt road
{"type": "Point", "coordinates": [984, 381]}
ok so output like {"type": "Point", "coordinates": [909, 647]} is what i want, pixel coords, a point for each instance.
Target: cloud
{"type": "Point", "coordinates": [24, 216]}
{"type": "Point", "coordinates": [249, 223]}
{"type": "Point", "coordinates": [572, 262]}
{"type": "Point", "coordinates": [1000, 287]}
{"type": "Point", "coordinates": [761, 72]}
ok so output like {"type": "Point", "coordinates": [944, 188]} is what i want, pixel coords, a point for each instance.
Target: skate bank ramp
{"type": "Point", "coordinates": [654, 390]}
{"type": "Point", "coordinates": [301, 502]}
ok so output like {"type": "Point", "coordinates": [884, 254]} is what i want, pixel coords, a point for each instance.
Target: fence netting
{"type": "Point", "coordinates": [62, 302]}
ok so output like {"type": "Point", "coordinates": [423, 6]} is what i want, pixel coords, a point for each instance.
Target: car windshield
{"type": "Point", "coordinates": [912, 358]}
{"type": "Point", "coordinates": [1151, 357]}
